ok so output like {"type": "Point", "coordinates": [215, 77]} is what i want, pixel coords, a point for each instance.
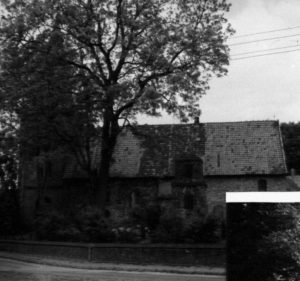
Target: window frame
{"type": "Point", "coordinates": [195, 169]}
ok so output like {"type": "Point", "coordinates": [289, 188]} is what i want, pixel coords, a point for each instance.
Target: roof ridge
{"type": "Point", "coordinates": [245, 121]}
{"type": "Point", "coordinates": [203, 123]}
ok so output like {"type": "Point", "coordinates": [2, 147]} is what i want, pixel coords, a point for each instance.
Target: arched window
{"type": "Point", "coordinates": [134, 198]}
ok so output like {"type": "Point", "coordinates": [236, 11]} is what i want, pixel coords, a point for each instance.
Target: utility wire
{"type": "Point", "coordinates": [264, 39]}
{"type": "Point", "coordinates": [263, 32]}
{"type": "Point", "coordinates": [265, 50]}
{"type": "Point", "coordinates": [262, 55]}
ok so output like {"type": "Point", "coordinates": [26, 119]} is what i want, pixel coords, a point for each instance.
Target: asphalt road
{"type": "Point", "coordinates": [11, 270]}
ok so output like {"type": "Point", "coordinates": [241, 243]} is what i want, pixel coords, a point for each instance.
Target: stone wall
{"type": "Point", "coordinates": [218, 186]}
{"type": "Point", "coordinates": [125, 194]}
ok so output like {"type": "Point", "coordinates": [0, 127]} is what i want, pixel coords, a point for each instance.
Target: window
{"type": "Point", "coordinates": [164, 189]}
{"type": "Point", "coordinates": [134, 198]}
{"type": "Point", "coordinates": [188, 199]}
{"type": "Point", "coordinates": [219, 160]}
{"type": "Point", "coordinates": [188, 169]}
{"type": "Point", "coordinates": [218, 212]}
{"type": "Point", "coordinates": [262, 185]}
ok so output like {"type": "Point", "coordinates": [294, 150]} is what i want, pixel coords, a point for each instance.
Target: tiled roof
{"type": "Point", "coordinates": [230, 148]}
{"type": "Point", "coordinates": [244, 148]}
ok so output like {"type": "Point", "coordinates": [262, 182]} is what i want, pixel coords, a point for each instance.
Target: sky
{"type": "Point", "coordinates": [257, 88]}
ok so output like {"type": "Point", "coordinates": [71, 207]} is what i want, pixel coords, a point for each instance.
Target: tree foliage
{"type": "Point", "coordinates": [120, 57]}
{"type": "Point", "coordinates": [10, 217]}
{"type": "Point", "coordinates": [263, 241]}
{"type": "Point", "coordinates": [291, 141]}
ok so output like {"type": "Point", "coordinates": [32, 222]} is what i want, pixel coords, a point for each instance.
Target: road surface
{"type": "Point", "coordinates": [11, 270]}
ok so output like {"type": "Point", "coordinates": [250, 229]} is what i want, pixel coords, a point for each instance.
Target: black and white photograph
{"type": "Point", "coordinates": [124, 123]}
{"type": "Point", "coordinates": [263, 241]}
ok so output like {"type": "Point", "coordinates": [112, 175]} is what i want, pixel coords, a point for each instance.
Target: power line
{"type": "Point", "coordinates": [265, 50]}
{"type": "Point", "coordinates": [264, 32]}
{"type": "Point", "coordinates": [262, 55]}
{"type": "Point", "coordinates": [264, 39]}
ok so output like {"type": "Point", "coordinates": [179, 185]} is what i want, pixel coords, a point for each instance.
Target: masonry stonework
{"type": "Point", "coordinates": [218, 186]}
{"type": "Point", "coordinates": [183, 167]}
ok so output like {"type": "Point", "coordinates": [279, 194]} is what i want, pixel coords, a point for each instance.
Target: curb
{"type": "Point", "coordinates": [117, 267]}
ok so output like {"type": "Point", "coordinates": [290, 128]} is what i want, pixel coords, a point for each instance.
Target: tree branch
{"type": "Point", "coordinates": [119, 14]}
{"type": "Point", "coordinates": [85, 67]}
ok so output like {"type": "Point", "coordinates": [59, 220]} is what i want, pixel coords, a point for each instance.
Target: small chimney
{"type": "Point", "coordinates": [196, 120]}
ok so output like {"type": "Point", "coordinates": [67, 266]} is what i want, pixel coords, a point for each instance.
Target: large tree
{"type": "Point", "coordinates": [291, 140]}
{"type": "Point", "coordinates": [134, 56]}
{"type": "Point", "coordinates": [54, 106]}
{"type": "Point", "coordinates": [10, 216]}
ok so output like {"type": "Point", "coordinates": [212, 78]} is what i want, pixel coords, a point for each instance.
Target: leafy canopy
{"type": "Point", "coordinates": [136, 56]}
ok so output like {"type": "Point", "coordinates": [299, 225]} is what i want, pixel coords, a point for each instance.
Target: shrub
{"type": "Point", "coordinates": [146, 217]}
{"type": "Point", "coordinates": [93, 226]}
{"type": "Point", "coordinates": [200, 231]}
{"type": "Point", "coordinates": [128, 234]}
{"type": "Point", "coordinates": [153, 216]}
{"type": "Point", "coordinates": [51, 226]}
{"type": "Point", "coordinates": [169, 230]}
{"type": "Point", "coordinates": [193, 231]}
{"type": "Point", "coordinates": [10, 219]}
{"type": "Point", "coordinates": [86, 225]}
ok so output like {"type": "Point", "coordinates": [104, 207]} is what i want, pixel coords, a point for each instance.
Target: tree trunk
{"type": "Point", "coordinates": [42, 186]}
{"type": "Point", "coordinates": [109, 138]}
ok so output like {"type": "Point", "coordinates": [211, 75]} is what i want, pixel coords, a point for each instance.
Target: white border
{"type": "Point", "coordinates": [263, 197]}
